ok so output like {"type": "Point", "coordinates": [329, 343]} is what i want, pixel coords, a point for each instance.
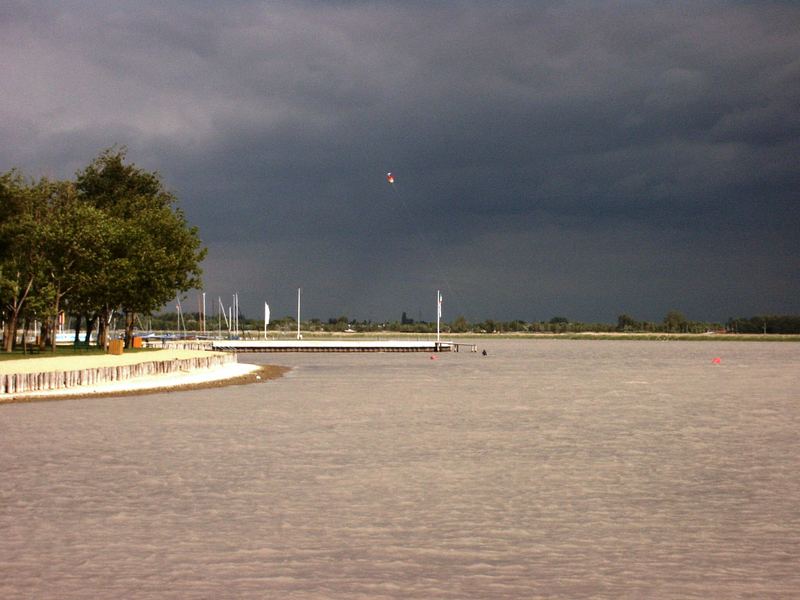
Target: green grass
{"type": "Point", "coordinates": [62, 351]}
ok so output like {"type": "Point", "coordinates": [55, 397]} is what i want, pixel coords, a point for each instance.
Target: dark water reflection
{"type": "Point", "coordinates": [545, 469]}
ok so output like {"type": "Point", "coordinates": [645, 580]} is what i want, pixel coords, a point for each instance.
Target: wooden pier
{"type": "Point", "coordinates": [336, 346]}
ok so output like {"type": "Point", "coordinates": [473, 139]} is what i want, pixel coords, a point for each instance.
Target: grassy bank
{"type": "Point", "coordinates": [62, 351]}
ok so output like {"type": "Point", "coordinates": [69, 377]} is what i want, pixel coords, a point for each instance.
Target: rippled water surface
{"type": "Point", "coordinates": [551, 469]}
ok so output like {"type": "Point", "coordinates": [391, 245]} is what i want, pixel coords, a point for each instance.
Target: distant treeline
{"type": "Point", "coordinates": [673, 322]}
{"type": "Point", "coordinates": [765, 324]}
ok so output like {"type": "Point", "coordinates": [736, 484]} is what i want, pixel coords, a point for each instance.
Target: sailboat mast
{"type": "Point", "coordinates": [298, 315]}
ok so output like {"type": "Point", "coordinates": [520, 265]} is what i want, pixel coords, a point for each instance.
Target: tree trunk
{"type": "Point", "coordinates": [10, 333]}
{"type": "Point", "coordinates": [16, 308]}
{"type": "Point", "coordinates": [89, 327]}
{"type": "Point", "coordinates": [103, 322]}
{"type": "Point", "coordinates": [25, 326]}
{"type": "Point", "coordinates": [130, 319]}
{"type": "Point", "coordinates": [44, 333]}
{"type": "Point", "coordinates": [78, 318]}
{"type": "Point", "coordinates": [101, 332]}
{"type": "Point", "coordinates": [56, 311]}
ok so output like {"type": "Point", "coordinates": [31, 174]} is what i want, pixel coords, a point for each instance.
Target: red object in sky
{"type": "Point", "coordinates": [390, 178]}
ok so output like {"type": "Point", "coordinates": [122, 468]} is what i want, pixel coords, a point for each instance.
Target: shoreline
{"type": "Point", "coordinates": [150, 381]}
{"type": "Point", "coordinates": [254, 374]}
{"type": "Point", "coordinates": [581, 335]}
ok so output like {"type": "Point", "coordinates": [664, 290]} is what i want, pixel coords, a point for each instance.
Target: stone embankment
{"type": "Point", "coordinates": [78, 372]}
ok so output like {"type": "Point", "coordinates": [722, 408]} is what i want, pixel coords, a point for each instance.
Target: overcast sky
{"type": "Point", "coordinates": [579, 159]}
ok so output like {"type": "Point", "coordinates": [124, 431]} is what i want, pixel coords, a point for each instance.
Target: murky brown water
{"type": "Point", "coordinates": [549, 469]}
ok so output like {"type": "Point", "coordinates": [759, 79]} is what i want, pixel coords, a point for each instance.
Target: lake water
{"type": "Point", "coordinates": [547, 469]}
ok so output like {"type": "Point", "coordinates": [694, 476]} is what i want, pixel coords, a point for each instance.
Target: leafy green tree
{"type": "Point", "coordinates": [339, 324]}
{"type": "Point", "coordinates": [460, 325]}
{"type": "Point", "coordinates": [154, 253]}
{"type": "Point", "coordinates": [675, 321]}
{"type": "Point", "coordinates": [516, 325]}
{"type": "Point", "coordinates": [627, 323]}
{"type": "Point", "coordinates": [20, 254]}
{"type": "Point", "coordinates": [113, 240]}
{"type": "Point", "coordinates": [489, 326]}
{"type": "Point", "coordinates": [72, 239]}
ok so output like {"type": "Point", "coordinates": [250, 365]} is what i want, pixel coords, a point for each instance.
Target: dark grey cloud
{"type": "Point", "coordinates": [574, 158]}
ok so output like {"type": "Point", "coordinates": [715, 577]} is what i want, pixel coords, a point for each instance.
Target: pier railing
{"type": "Point", "coordinates": [333, 345]}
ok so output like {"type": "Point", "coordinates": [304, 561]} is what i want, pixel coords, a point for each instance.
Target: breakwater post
{"type": "Point", "coordinates": [21, 383]}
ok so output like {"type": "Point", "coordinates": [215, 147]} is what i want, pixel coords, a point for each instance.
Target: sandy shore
{"type": "Point", "coordinates": [229, 374]}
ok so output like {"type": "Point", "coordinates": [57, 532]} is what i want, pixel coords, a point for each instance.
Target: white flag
{"type": "Point", "coordinates": [266, 314]}
{"type": "Point", "coordinates": [439, 307]}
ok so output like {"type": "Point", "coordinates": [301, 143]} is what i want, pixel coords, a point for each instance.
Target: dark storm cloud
{"type": "Point", "coordinates": [573, 158]}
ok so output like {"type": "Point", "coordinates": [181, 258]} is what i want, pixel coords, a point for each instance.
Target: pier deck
{"type": "Point", "coordinates": [333, 346]}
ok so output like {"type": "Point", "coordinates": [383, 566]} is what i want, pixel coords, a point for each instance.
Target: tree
{"type": "Point", "coordinates": [675, 321]}
{"type": "Point", "coordinates": [339, 324]}
{"type": "Point", "coordinates": [154, 253]}
{"type": "Point", "coordinates": [627, 323]}
{"type": "Point", "coordinates": [112, 240]}
{"type": "Point", "coordinates": [460, 325]}
{"type": "Point", "coordinates": [164, 261]}
{"type": "Point", "coordinates": [20, 255]}
{"type": "Point", "coordinates": [73, 242]}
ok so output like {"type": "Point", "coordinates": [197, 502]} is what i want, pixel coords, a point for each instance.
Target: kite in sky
{"type": "Point", "coordinates": [390, 178]}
